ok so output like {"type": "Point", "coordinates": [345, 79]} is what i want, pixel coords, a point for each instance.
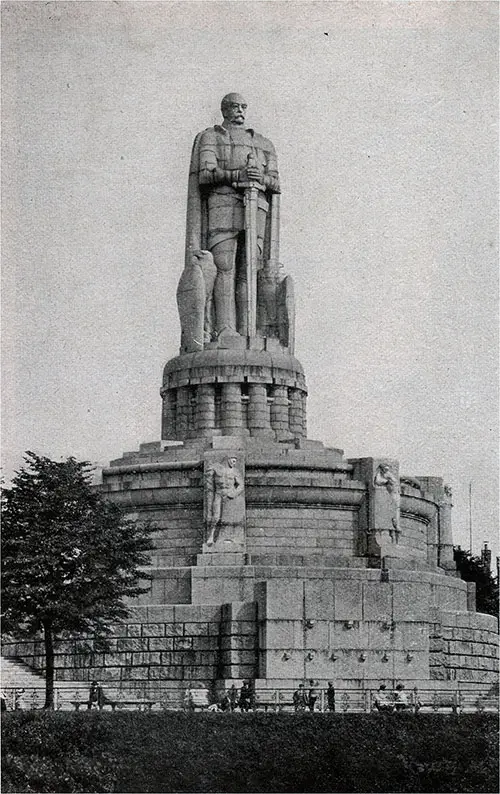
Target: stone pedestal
{"type": "Point", "coordinates": [238, 390]}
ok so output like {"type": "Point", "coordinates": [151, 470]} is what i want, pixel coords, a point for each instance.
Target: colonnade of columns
{"type": "Point", "coordinates": [256, 409]}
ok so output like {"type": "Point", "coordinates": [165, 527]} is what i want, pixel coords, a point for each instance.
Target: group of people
{"type": "Point", "coordinates": [386, 701]}
{"type": "Point", "coordinates": [232, 700]}
{"type": "Point", "coordinates": [306, 699]}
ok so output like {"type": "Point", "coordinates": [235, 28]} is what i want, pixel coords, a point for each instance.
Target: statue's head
{"type": "Point", "coordinates": [233, 108]}
{"type": "Point", "coordinates": [231, 462]}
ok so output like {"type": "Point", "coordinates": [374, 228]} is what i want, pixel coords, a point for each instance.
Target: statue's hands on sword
{"type": "Point", "coordinates": [251, 174]}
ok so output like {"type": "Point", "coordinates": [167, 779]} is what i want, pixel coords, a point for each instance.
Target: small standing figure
{"type": "Point", "coordinates": [225, 703]}
{"type": "Point", "coordinates": [400, 698]}
{"type": "Point", "coordinates": [382, 701]}
{"type": "Point", "coordinates": [385, 478]}
{"type": "Point", "coordinates": [96, 696]}
{"type": "Point", "coordinates": [224, 485]}
{"type": "Point", "coordinates": [312, 696]}
{"type": "Point", "coordinates": [245, 702]}
{"type": "Point", "coordinates": [330, 697]}
{"type": "Point", "coordinates": [233, 697]}
{"type": "Point", "coordinates": [300, 699]}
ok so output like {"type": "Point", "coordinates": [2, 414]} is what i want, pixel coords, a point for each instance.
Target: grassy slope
{"type": "Point", "coordinates": [162, 752]}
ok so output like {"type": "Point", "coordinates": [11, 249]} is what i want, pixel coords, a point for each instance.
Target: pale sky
{"type": "Point", "coordinates": [384, 117]}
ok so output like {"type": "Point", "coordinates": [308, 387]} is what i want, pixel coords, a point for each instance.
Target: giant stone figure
{"type": "Point", "coordinates": [233, 214]}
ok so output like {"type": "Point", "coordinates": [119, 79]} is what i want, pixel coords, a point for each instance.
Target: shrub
{"type": "Point", "coordinates": [43, 751]}
{"type": "Point", "coordinates": [163, 752]}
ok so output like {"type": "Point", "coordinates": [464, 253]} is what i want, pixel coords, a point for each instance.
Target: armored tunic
{"type": "Point", "coordinates": [215, 203]}
{"type": "Point", "coordinates": [223, 154]}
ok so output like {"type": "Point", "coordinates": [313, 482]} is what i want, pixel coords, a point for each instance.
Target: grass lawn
{"type": "Point", "coordinates": [176, 752]}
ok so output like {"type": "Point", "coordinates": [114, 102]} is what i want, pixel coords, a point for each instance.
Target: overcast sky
{"type": "Point", "coordinates": [384, 117]}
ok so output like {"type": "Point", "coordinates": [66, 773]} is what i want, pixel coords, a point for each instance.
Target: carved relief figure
{"type": "Point", "coordinates": [225, 159]}
{"type": "Point", "coordinates": [224, 499]}
{"type": "Point", "coordinates": [385, 478]}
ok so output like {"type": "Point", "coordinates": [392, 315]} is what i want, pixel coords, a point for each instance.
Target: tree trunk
{"type": "Point", "coordinates": [49, 664]}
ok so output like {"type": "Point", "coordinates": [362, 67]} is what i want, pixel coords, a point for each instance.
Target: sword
{"type": "Point", "coordinates": [250, 198]}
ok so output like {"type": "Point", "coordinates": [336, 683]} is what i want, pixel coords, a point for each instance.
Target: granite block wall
{"type": "Point", "coordinates": [158, 647]}
{"type": "Point", "coordinates": [464, 647]}
{"type": "Point", "coordinates": [302, 531]}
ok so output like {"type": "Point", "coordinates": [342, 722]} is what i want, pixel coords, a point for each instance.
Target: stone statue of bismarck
{"type": "Point", "coordinates": [226, 159]}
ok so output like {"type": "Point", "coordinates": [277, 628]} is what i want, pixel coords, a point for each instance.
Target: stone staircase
{"type": "Point", "coordinates": [25, 687]}
{"type": "Point", "coordinates": [15, 674]}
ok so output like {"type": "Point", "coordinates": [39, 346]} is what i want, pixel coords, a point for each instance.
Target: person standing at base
{"type": "Point", "coordinates": [96, 696]}
{"type": "Point", "coordinates": [382, 701]}
{"type": "Point", "coordinates": [233, 697]}
{"type": "Point", "coordinates": [245, 701]}
{"type": "Point", "coordinates": [400, 698]}
{"type": "Point", "coordinates": [312, 696]}
{"type": "Point", "coordinates": [330, 697]}
{"type": "Point", "coordinates": [225, 703]}
{"type": "Point", "coordinates": [299, 699]}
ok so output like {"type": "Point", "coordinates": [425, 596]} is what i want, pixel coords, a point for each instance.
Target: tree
{"type": "Point", "coordinates": [474, 569]}
{"type": "Point", "coordinates": [69, 557]}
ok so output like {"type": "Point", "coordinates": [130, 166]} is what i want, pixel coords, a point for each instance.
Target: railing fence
{"type": "Point", "coordinates": [271, 700]}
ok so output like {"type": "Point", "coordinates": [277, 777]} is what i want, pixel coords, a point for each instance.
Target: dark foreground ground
{"type": "Point", "coordinates": [174, 752]}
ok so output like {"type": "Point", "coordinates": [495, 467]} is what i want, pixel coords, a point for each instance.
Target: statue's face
{"type": "Point", "coordinates": [234, 109]}
{"type": "Point", "coordinates": [231, 462]}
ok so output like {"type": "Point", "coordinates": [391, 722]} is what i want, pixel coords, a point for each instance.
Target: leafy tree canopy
{"type": "Point", "coordinates": [474, 569]}
{"type": "Point", "coordinates": [69, 557]}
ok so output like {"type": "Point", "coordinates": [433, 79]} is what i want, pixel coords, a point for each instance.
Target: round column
{"type": "Point", "coordinates": [280, 419]}
{"type": "Point", "coordinates": [296, 413]}
{"type": "Point", "coordinates": [204, 418]}
{"type": "Point", "coordinates": [182, 412]}
{"type": "Point", "coordinates": [259, 414]}
{"type": "Point", "coordinates": [231, 413]}
{"type": "Point", "coordinates": [303, 397]}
